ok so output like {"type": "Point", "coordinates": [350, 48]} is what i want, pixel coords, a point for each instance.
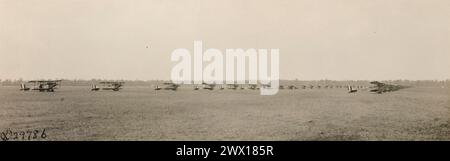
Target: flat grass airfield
{"type": "Point", "coordinates": [141, 113]}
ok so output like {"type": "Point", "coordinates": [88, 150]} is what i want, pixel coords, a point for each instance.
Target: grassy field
{"type": "Point", "coordinates": [140, 113]}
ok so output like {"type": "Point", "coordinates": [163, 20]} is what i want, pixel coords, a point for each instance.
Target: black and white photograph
{"type": "Point", "coordinates": [224, 70]}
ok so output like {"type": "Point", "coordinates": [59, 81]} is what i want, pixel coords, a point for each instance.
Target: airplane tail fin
{"type": "Point", "coordinates": [24, 87]}
{"type": "Point", "coordinates": [351, 90]}
{"type": "Point", "coordinates": [94, 87]}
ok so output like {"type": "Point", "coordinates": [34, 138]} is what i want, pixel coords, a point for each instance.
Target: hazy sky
{"type": "Point", "coordinates": [318, 39]}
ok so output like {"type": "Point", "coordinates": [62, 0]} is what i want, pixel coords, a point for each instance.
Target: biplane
{"type": "Point", "coordinates": [380, 88]}
{"type": "Point", "coordinates": [42, 85]}
{"type": "Point", "coordinates": [252, 86]}
{"type": "Point", "coordinates": [292, 87]}
{"type": "Point", "coordinates": [233, 86]}
{"type": "Point", "coordinates": [208, 86]}
{"type": "Point", "coordinates": [108, 85]}
{"type": "Point", "coordinates": [196, 87]}
{"type": "Point", "coordinates": [265, 86]}
{"type": "Point", "coordinates": [167, 86]}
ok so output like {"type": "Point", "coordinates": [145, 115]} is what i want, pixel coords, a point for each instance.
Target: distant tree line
{"type": "Point", "coordinates": [412, 83]}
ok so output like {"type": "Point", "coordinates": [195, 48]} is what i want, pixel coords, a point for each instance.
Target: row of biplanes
{"type": "Point", "coordinates": [173, 86]}
{"type": "Point", "coordinates": [51, 85]}
{"type": "Point", "coordinates": [377, 87]}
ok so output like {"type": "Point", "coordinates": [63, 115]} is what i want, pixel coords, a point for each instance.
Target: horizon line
{"type": "Point", "coordinates": [92, 79]}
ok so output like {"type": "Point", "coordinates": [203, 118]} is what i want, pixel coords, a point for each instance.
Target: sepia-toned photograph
{"type": "Point", "coordinates": [224, 70]}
